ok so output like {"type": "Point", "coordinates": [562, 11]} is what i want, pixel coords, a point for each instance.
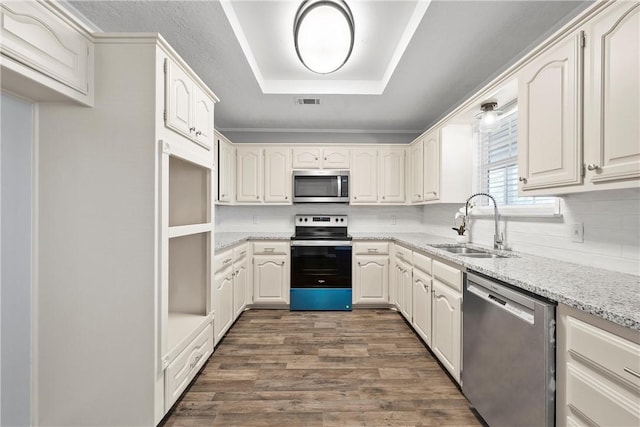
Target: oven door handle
{"type": "Point", "coordinates": [330, 243]}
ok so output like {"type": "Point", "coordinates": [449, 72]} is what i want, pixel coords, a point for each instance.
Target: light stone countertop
{"type": "Point", "coordinates": [607, 294]}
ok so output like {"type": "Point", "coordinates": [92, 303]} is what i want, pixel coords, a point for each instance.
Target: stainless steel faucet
{"type": "Point", "coordinates": [498, 238]}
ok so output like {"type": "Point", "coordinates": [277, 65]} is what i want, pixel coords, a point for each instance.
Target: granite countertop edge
{"type": "Point", "coordinates": [559, 281]}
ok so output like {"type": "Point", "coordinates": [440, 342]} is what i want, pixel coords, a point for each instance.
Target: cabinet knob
{"type": "Point", "coordinates": [382, 197]}
{"type": "Point", "coordinates": [258, 197]}
{"type": "Point", "coordinates": [325, 158]}
{"type": "Point", "coordinates": [286, 197]}
{"type": "Point", "coordinates": [198, 133]}
{"type": "Point", "coordinates": [316, 158]}
{"type": "Point", "coordinates": [192, 129]}
{"type": "Point", "coordinates": [593, 167]}
{"type": "Point", "coordinates": [522, 179]}
{"type": "Point", "coordinates": [359, 263]}
{"type": "Point", "coordinates": [355, 198]}
{"type": "Point", "coordinates": [282, 263]}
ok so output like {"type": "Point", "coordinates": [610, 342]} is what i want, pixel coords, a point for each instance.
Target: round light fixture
{"type": "Point", "coordinates": [489, 120]}
{"type": "Point", "coordinates": [323, 33]}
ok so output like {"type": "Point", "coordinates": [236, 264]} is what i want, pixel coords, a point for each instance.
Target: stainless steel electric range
{"type": "Point", "coordinates": [321, 263]}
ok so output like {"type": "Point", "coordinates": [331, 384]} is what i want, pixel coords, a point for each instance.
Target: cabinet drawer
{"type": "Point", "coordinates": [610, 352]}
{"type": "Point", "coordinates": [448, 275]}
{"type": "Point", "coordinates": [371, 248]}
{"type": "Point", "coordinates": [222, 260]}
{"type": "Point", "coordinates": [270, 247]}
{"type": "Point", "coordinates": [404, 254]}
{"type": "Point", "coordinates": [185, 367]}
{"type": "Point", "coordinates": [35, 36]}
{"type": "Point", "coordinates": [422, 262]}
{"type": "Point", "coordinates": [240, 252]}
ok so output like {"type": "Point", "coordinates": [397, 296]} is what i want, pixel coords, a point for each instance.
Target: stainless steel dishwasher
{"type": "Point", "coordinates": [508, 354]}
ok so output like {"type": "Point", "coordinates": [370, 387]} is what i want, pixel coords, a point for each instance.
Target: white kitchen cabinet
{"type": "Point", "coordinates": [271, 273]}
{"type": "Point", "coordinates": [277, 175]}
{"type": "Point", "coordinates": [226, 166]}
{"type": "Point", "coordinates": [431, 187]}
{"type": "Point", "coordinates": [598, 371]}
{"type": "Point", "coordinates": [249, 174]}
{"type": "Point", "coordinates": [612, 94]}
{"type": "Point", "coordinates": [320, 158]}
{"type": "Point", "coordinates": [549, 122]}
{"type": "Point", "coordinates": [371, 279]}
{"type": "Point", "coordinates": [422, 305]}
{"type": "Point", "coordinates": [364, 176]}
{"type": "Point", "coordinates": [416, 171]}
{"type": "Point", "coordinates": [240, 279]}
{"type": "Point", "coordinates": [151, 208]}
{"type": "Point", "coordinates": [391, 187]}
{"type": "Point", "coordinates": [405, 287]}
{"type": "Point", "coordinates": [446, 327]}
{"type": "Point", "coordinates": [46, 52]}
{"type": "Point", "coordinates": [223, 297]}
{"type": "Point", "coordinates": [189, 109]}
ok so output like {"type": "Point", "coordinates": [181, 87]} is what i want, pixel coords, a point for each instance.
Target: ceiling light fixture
{"type": "Point", "coordinates": [489, 117]}
{"type": "Point", "coordinates": [323, 33]}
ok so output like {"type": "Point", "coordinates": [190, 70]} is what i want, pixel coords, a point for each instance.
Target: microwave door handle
{"type": "Point", "coordinates": [339, 178]}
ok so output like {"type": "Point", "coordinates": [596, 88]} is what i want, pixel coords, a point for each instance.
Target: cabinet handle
{"type": "Point", "coordinates": [198, 133]}
{"type": "Point", "coordinates": [192, 129]}
{"type": "Point", "coordinates": [195, 362]}
{"type": "Point", "coordinates": [372, 249]}
{"type": "Point", "coordinates": [233, 274]}
{"type": "Point", "coordinates": [522, 179]}
{"type": "Point", "coordinates": [593, 167]}
{"type": "Point", "coordinates": [226, 261]}
{"type": "Point", "coordinates": [269, 249]}
{"type": "Point", "coordinates": [243, 253]}
{"type": "Point", "coordinates": [632, 372]}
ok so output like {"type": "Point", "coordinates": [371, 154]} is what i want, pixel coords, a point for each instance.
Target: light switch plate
{"type": "Point", "coordinates": [577, 233]}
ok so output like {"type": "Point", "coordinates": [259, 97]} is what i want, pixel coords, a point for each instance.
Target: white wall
{"type": "Point", "coordinates": [16, 144]}
{"type": "Point", "coordinates": [280, 218]}
{"type": "Point", "coordinates": [611, 230]}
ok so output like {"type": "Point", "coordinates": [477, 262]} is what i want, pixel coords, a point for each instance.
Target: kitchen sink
{"type": "Point", "coordinates": [469, 252]}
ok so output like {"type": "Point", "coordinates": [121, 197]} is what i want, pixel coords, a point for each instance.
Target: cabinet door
{"type": "Point", "coordinates": [612, 99]}
{"type": "Point", "coordinates": [277, 175]}
{"type": "Point", "coordinates": [549, 122]}
{"type": "Point", "coordinates": [416, 173]}
{"type": "Point", "coordinates": [431, 170]}
{"type": "Point", "coordinates": [270, 279]}
{"type": "Point", "coordinates": [422, 305]}
{"type": "Point", "coordinates": [392, 173]}
{"type": "Point", "coordinates": [202, 118]}
{"type": "Point", "coordinates": [223, 297]}
{"type": "Point", "coordinates": [335, 158]}
{"type": "Point", "coordinates": [249, 177]}
{"type": "Point", "coordinates": [398, 297]}
{"type": "Point", "coordinates": [446, 327]}
{"type": "Point", "coordinates": [371, 281]}
{"type": "Point", "coordinates": [179, 100]}
{"type": "Point", "coordinates": [239, 288]}
{"type": "Point", "coordinates": [306, 158]}
{"type": "Point", "coordinates": [364, 176]}
{"type": "Point", "coordinates": [225, 170]}
{"type": "Point", "coordinates": [407, 294]}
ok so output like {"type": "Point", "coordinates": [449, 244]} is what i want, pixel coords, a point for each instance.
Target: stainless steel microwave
{"type": "Point", "coordinates": [321, 186]}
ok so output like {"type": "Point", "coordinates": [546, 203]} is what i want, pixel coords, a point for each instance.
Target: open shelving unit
{"type": "Point", "coordinates": [188, 245]}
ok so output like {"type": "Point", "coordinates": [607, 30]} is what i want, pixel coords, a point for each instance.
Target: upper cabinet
{"type": "Point", "coordinates": [263, 175]}
{"type": "Point", "coordinates": [320, 158]}
{"type": "Point", "coordinates": [568, 141]}
{"type": "Point", "coordinates": [364, 176]}
{"type": "Point", "coordinates": [45, 53]}
{"type": "Point", "coordinates": [416, 171]}
{"type": "Point", "coordinates": [226, 166]}
{"type": "Point", "coordinates": [549, 126]}
{"type": "Point", "coordinates": [189, 110]}
{"type": "Point", "coordinates": [612, 94]}
{"type": "Point", "coordinates": [431, 175]}
{"type": "Point", "coordinates": [392, 175]}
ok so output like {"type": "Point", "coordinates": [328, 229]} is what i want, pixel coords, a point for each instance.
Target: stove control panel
{"type": "Point", "coordinates": [321, 220]}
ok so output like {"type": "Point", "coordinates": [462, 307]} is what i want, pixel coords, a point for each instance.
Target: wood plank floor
{"type": "Point", "coordinates": [359, 368]}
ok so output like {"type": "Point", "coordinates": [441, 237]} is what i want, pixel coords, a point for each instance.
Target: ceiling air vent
{"type": "Point", "coordinates": [307, 101]}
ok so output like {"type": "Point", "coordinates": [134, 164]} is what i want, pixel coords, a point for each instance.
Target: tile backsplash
{"type": "Point", "coordinates": [611, 222]}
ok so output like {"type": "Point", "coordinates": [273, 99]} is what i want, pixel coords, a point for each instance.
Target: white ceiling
{"type": "Point", "coordinates": [383, 30]}
{"type": "Point", "coordinates": [457, 47]}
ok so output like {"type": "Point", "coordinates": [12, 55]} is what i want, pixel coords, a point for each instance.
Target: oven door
{"type": "Point", "coordinates": [319, 264]}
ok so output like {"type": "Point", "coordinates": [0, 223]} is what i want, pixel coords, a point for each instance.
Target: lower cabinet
{"type": "Point", "coordinates": [422, 304]}
{"type": "Point", "coordinates": [271, 273]}
{"type": "Point", "coordinates": [187, 364]}
{"type": "Point", "coordinates": [405, 288]}
{"type": "Point", "coordinates": [223, 301]}
{"type": "Point", "coordinates": [598, 371]}
{"type": "Point", "coordinates": [371, 279]}
{"type": "Point", "coordinates": [446, 327]}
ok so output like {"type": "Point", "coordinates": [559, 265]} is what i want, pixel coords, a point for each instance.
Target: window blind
{"type": "Point", "coordinates": [498, 163]}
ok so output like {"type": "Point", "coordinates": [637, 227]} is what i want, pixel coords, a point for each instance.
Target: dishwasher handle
{"type": "Point", "coordinates": [510, 306]}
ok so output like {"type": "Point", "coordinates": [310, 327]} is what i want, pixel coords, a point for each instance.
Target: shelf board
{"type": "Point", "coordinates": [181, 326]}
{"type": "Point", "coordinates": [186, 230]}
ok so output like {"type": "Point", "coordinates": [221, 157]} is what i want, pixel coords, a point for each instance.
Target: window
{"type": "Point", "coordinates": [497, 164]}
